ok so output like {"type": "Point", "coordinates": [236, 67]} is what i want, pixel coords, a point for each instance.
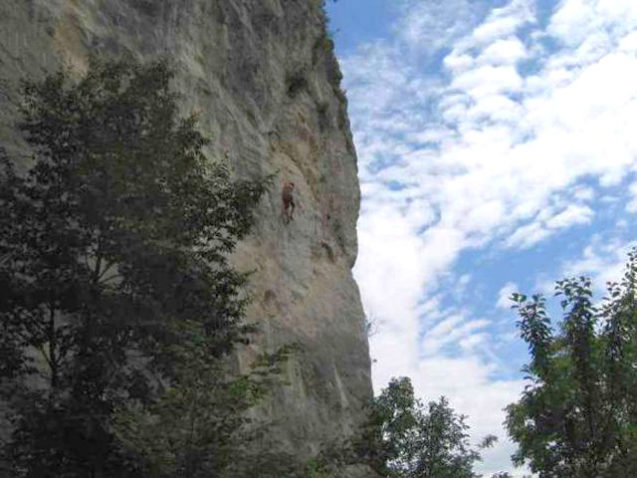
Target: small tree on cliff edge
{"type": "Point", "coordinates": [117, 234]}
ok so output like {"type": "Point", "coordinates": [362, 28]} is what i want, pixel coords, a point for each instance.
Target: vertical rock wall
{"type": "Point", "coordinates": [263, 77]}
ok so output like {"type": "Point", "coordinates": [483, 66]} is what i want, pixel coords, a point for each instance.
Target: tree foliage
{"type": "Point", "coordinates": [198, 427]}
{"type": "Point", "coordinates": [116, 236]}
{"type": "Point", "coordinates": [406, 439]}
{"type": "Point", "coordinates": [578, 415]}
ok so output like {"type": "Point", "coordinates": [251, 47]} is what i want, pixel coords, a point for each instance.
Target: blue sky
{"type": "Point", "coordinates": [497, 152]}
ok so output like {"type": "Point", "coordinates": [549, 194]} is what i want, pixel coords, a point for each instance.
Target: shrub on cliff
{"type": "Point", "coordinates": [114, 239]}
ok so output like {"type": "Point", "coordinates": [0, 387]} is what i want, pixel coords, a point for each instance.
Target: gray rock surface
{"type": "Point", "coordinates": [264, 80]}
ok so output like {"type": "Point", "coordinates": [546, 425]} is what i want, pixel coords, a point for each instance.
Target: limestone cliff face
{"type": "Point", "coordinates": [262, 76]}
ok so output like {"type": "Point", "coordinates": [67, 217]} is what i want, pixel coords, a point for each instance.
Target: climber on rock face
{"type": "Point", "coordinates": [287, 201]}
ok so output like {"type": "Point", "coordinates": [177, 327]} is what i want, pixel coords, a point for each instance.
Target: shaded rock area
{"type": "Point", "coordinates": [263, 78]}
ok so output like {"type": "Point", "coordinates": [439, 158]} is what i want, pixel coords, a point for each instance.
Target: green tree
{"type": "Point", "coordinates": [405, 439]}
{"type": "Point", "coordinates": [198, 427]}
{"type": "Point", "coordinates": [578, 415]}
{"type": "Point", "coordinates": [118, 233]}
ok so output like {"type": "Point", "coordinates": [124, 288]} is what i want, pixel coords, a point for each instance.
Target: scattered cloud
{"type": "Point", "coordinates": [602, 260]}
{"type": "Point", "coordinates": [528, 236]}
{"type": "Point", "coordinates": [632, 204]}
{"type": "Point", "coordinates": [583, 193]}
{"type": "Point", "coordinates": [504, 131]}
{"type": "Point", "coordinates": [572, 215]}
{"type": "Point", "coordinates": [452, 330]}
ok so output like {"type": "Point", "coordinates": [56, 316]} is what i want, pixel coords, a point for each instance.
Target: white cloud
{"type": "Point", "coordinates": [464, 279]}
{"type": "Point", "coordinates": [458, 62]}
{"type": "Point", "coordinates": [577, 21]}
{"type": "Point", "coordinates": [488, 80]}
{"type": "Point", "coordinates": [425, 27]}
{"type": "Point", "coordinates": [528, 236]}
{"type": "Point", "coordinates": [583, 193]}
{"type": "Point", "coordinates": [472, 341]}
{"type": "Point", "coordinates": [504, 22]}
{"type": "Point", "coordinates": [546, 224]}
{"type": "Point", "coordinates": [396, 270]}
{"type": "Point", "coordinates": [503, 52]}
{"type": "Point", "coordinates": [504, 301]}
{"type": "Point", "coordinates": [632, 204]}
{"type": "Point", "coordinates": [602, 260]}
{"type": "Point", "coordinates": [451, 330]}
{"type": "Point", "coordinates": [572, 215]}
